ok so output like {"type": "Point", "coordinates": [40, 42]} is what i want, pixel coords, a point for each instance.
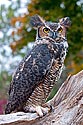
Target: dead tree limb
{"type": "Point", "coordinates": [68, 107]}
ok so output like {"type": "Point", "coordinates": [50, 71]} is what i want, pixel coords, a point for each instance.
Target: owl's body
{"type": "Point", "coordinates": [39, 70]}
{"type": "Point", "coordinates": [52, 55]}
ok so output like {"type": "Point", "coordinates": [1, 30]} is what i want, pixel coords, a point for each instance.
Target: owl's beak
{"type": "Point", "coordinates": [53, 35]}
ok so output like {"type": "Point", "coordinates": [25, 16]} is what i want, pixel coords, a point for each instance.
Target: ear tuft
{"type": "Point", "coordinates": [36, 21]}
{"type": "Point", "coordinates": [65, 22]}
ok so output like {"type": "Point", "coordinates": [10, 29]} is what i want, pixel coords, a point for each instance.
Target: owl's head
{"type": "Point", "coordinates": [52, 30]}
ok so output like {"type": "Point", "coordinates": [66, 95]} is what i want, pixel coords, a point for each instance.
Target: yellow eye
{"type": "Point", "coordinates": [60, 30]}
{"type": "Point", "coordinates": [46, 30]}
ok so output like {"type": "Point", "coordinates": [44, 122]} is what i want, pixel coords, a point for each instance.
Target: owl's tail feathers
{"type": "Point", "coordinates": [13, 106]}
{"type": "Point", "coordinates": [10, 107]}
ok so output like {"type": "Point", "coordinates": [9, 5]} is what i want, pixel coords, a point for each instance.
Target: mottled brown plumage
{"type": "Point", "coordinates": [41, 68]}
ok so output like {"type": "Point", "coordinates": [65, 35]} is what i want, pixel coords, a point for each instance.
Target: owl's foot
{"type": "Point", "coordinates": [50, 106]}
{"type": "Point", "coordinates": [41, 111]}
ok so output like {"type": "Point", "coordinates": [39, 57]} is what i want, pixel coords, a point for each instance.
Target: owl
{"type": "Point", "coordinates": [40, 69]}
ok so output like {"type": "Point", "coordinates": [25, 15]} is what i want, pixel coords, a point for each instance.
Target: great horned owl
{"type": "Point", "coordinates": [37, 73]}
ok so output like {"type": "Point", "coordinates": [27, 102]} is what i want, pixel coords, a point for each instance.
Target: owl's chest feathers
{"type": "Point", "coordinates": [58, 52]}
{"type": "Point", "coordinates": [58, 55]}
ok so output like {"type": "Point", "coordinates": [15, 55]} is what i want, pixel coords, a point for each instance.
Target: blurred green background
{"type": "Point", "coordinates": [17, 36]}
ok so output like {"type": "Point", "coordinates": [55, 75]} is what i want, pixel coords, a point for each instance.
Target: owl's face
{"type": "Point", "coordinates": [51, 30]}
{"type": "Point", "coordinates": [55, 31]}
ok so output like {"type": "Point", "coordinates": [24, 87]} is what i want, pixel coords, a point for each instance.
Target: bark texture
{"type": "Point", "coordinates": [68, 107]}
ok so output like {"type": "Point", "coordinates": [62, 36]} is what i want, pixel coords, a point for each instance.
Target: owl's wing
{"type": "Point", "coordinates": [30, 72]}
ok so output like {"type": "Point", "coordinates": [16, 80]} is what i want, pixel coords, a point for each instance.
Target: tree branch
{"type": "Point", "coordinates": [68, 107]}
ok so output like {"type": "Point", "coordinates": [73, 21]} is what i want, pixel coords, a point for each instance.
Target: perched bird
{"type": "Point", "coordinates": [40, 69]}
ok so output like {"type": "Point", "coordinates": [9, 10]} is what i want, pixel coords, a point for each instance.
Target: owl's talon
{"type": "Point", "coordinates": [49, 106]}
{"type": "Point", "coordinates": [41, 111]}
